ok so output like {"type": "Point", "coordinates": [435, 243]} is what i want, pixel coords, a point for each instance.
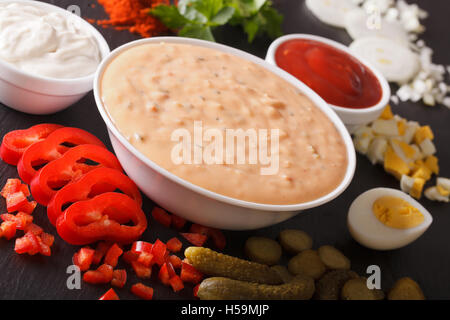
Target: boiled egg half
{"type": "Point", "coordinates": [386, 219]}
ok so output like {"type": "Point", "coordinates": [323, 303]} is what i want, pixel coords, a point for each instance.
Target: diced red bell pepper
{"type": "Point", "coordinates": [103, 274]}
{"type": "Point", "coordinates": [83, 258]}
{"type": "Point", "coordinates": [21, 219]}
{"type": "Point", "coordinates": [178, 222]}
{"type": "Point", "coordinates": [119, 278]}
{"type": "Point", "coordinates": [146, 259]}
{"type": "Point", "coordinates": [174, 245]}
{"type": "Point", "coordinates": [15, 201]}
{"type": "Point", "coordinates": [166, 272]}
{"type": "Point", "coordinates": [44, 249]}
{"type": "Point", "coordinates": [161, 216]}
{"type": "Point", "coordinates": [113, 254]}
{"type": "Point", "coordinates": [8, 229]}
{"type": "Point", "coordinates": [141, 246]}
{"type": "Point", "coordinates": [100, 251]}
{"type": "Point", "coordinates": [190, 274]}
{"type": "Point", "coordinates": [142, 291]}
{"type": "Point", "coordinates": [16, 142]}
{"type": "Point", "coordinates": [195, 290]}
{"type": "Point", "coordinates": [218, 238]}
{"type": "Point", "coordinates": [93, 183]}
{"type": "Point", "coordinates": [29, 243]}
{"type": "Point", "coordinates": [196, 239]}
{"type": "Point", "coordinates": [45, 151]}
{"type": "Point", "coordinates": [34, 229]}
{"type": "Point", "coordinates": [104, 217]}
{"type": "Point", "coordinates": [66, 169]}
{"type": "Point", "coordinates": [11, 186]}
{"type": "Point", "coordinates": [130, 256]}
{"type": "Point", "coordinates": [25, 189]}
{"type": "Point", "coordinates": [109, 295]}
{"type": "Point", "coordinates": [28, 207]}
{"type": "Point", "coordinates": [198, 228]}
{"type": "Point", "coordinates": [47, 239]}
{"type": "Point", "coordinates": [175, 261]}
{"type": "Point", "coordinates": [176, 283]}
{"type": "Point", "coordinates": [159, 252]}
{"type": "Point", "coordinates": [141, 270]}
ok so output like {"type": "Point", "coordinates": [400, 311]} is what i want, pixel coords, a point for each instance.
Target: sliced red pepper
{"type": "Point", "coordinates": [178, 222]}
{"type": "Point", "coordinates": [176, 283]}
{"type": "Point", "coordinates": [142, 291]}
{"type": "Point", "coordinates": [174, 245]}
{"type": "Point", "coordinates": [141, 246]}
{"type": "Point", "coordinates": [8, 229]}
{"type": "Point", "coordinates": [159, 250]}
{"type": "Point", "coordinates": [161, 216]}
{"type": "Point", "coordinates": [166, 272]}
{"type": "Point", "coordinates": [141, 271]}
{"type": "Point", "coordinates": [119, 278]}
{"type": "Point", "coordinates": [113, 254]}
{"type": "Point", "coordinates": [45, 151]}
{"type": "Point", "coordinates": [15, 201]}
{"type": "Point", "coordinates": [95, 182]}
{"type": "Point", "coordinates": [11, 186]}
{"type": "Point", "coordinates": [104, 217]}
{"type": "Point", "coordinates": [196, 239]}
{"type": "Point", "coordinates": [190, 274]}
{"type": "Point", "coordinates": [109, 295]}
{"type": "Point", "coordinates": [100, 251]}
{"type": "Point", "coordinates": [175, 261]}
{"type": "Point", "coordinates": [68, 168]}
{"type": "Point", "coordinates": [83, 258]}
{"type": "Point", "coordinates": [16, 142]}
{"type": "Point", "coordinates": [103, 274]}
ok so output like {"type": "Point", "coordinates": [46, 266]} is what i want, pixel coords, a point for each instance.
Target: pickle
{"type": "Point", "coordinates": [308, 263]}
{"type": "Point", "coordinates": [330, 285]}
{"type": "Point", "coordinates": [301, 288]}
{"type": "Point", "coordinates": [220, 265]}
{"type": "Point", "coordinates": [333, 258]}
{"type": "Point", "coordinates": [356, 289]}
{"type": "Point", "coordinates": [295, 241]}
{"type": "Point", "coordinates": [263, 250]}
{"type": "Point", "coordinates": [406, 289]}
{"type": "Point", "coordinates": [283, 273]}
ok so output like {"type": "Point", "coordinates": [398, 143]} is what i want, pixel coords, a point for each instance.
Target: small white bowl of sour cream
{"type": "Point", "coordinates": [33, 93]}
{"type": "Point", "coordinates": [353, 118]}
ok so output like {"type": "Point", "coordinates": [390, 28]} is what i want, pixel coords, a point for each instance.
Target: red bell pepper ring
{"type": "Point", "coordinates": [68, 168]}
{"type": "Point", "coordinates": [104, 217]}
{"type": "Point", "coordinates": [52, 148]}
{"type": "Point", "coordinates": [91, 184]}
{"type": "Point", "coordinates": [16, 142]}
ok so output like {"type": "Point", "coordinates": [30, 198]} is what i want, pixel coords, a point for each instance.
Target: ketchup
{"type": "Point", "coordinates": [336, 76]}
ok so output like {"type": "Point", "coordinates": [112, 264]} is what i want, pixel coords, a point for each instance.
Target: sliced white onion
{"type": "Point", "coordinates": [331, 12]}
{"type": "Point", "coordinates": [395, 61]}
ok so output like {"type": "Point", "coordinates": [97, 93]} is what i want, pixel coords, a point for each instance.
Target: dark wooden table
{"type": "Point", "coordinates": [427, 260]}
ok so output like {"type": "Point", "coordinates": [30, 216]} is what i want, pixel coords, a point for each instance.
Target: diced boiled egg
{"type": "Point", "coordinates": [332, 12]}
{"type": "Point", "coordinates": [443, 183]}
{"type": "Point", "coordinates": [386, 219]}
{"type": "Point", "coordinates": [433, 194]}
{"type": "Point", "coordinates": [377, 149]}
{"type": "Point", "coordinates": [427, 147]}
{"type": "Point", "coordinates": [385, 127]}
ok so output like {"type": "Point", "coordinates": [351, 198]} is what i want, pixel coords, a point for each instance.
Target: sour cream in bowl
{"type": "Point", "coordinates": [48, 56]}
{"type": "Point", "coordinates": [162, 97]}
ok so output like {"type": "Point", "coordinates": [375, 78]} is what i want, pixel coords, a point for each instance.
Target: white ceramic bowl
{"type": "Point", "coordinates": [352, 118]}
{"type": "Point", "coordinates": [193, 202]}
{"type": "Point", "coordinates": [34, 94]}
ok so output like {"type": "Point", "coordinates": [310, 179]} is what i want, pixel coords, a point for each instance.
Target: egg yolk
{"type": "Point", "coordinates": [397, 213]}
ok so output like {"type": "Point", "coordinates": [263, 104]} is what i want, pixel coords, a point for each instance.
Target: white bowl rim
{"type": "Point", "coordinates": [316, 99]}
{"type": "Point", "coordinates": [102, 43]}
{"type": "Point", "coordinates": [385, 88]}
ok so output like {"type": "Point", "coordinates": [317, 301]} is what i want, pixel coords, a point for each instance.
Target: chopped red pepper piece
{"type": "Point", "coordinates": [8, 229]}
{"type": "Point", "coordinates": [174, 245]}
{"type": "Point", "coordinates": [44, 249]}
{"type": "Point", "coordinates": [104, 217]}
{"type": "Point", "coordinates": [113, 254]}
{"type": "Point", "coordinates": [47, 239]}
{"type": "Point", "coordinates": [178, 222]}
{"type": "Point", "coordinates": [176, 283]}
{"type": "Point", "coordinates": [28, 207]}
{"type": "Point", "coordinates": [142, 291]}
{"type": "Point", "coordinates": [198, 228]}
{"type": "Point", "coordinates": [45, 151]}
{"type": "Point", "coordinates": [166, 272]}
{"type": "Point", "coordinates": [21, 219]}
{"type": "Point", "coordinates": [141, 270]}
{"type": "Point", "coordinates": [68, 168]}
{"type": "Point", "coordinates": [218, 238]}
{"type": "Point", "coordinates": [175, 261]}
{"type": "Point", "coordinates": [15, 201]}
{"type": "Point", "coordinates": [190, 274]}
{"type": "Point", "coordinates": [103, 274]}
{"type": "Point", "coordinates": [161, 216]}
{"type": "Point", "coordinates": [100, 251]}
{"type": "Point", "coordinates": [119, 278]}
{"type": "Point", "coordinates": [34, 228]}
{"type": "Point", "coordinates": [11, 186]}
{"type": "Point", "coordinates": [25, 189]}
{"type": "Point", "coordinates": [130, 256]}
{"type": "Point", "coordinates": [93, 183]}
{"type": "Point", "coordinates": [83, 258]}
{"type": "Point", "coordinates": [195, 290]}
{"type": "Point", "coordinates": [146, 259]}
{"type": "Point", "coordinates": [141, 246]}
{"type": "Point", "coordinates": [159, 252]}
{"type": "Point", "coordinates": [196, 239]}
{"type": "Point", "coordinates": [16, 142]}
{"type": "Point", "coordinates": [109, 295]}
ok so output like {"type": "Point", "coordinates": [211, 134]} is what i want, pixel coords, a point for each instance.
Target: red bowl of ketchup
{"type": "Point", "coordinates": [355, 90]}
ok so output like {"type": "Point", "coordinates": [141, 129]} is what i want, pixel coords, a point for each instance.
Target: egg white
{"type": "Point", "coordinates": [366, 229]}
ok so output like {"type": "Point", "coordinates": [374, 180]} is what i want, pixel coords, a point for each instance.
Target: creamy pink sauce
{"type": "Point", "coordinates": [151, 90]}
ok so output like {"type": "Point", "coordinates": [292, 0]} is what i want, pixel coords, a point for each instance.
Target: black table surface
{"type": "Point", "coordinates": [427, 260]}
